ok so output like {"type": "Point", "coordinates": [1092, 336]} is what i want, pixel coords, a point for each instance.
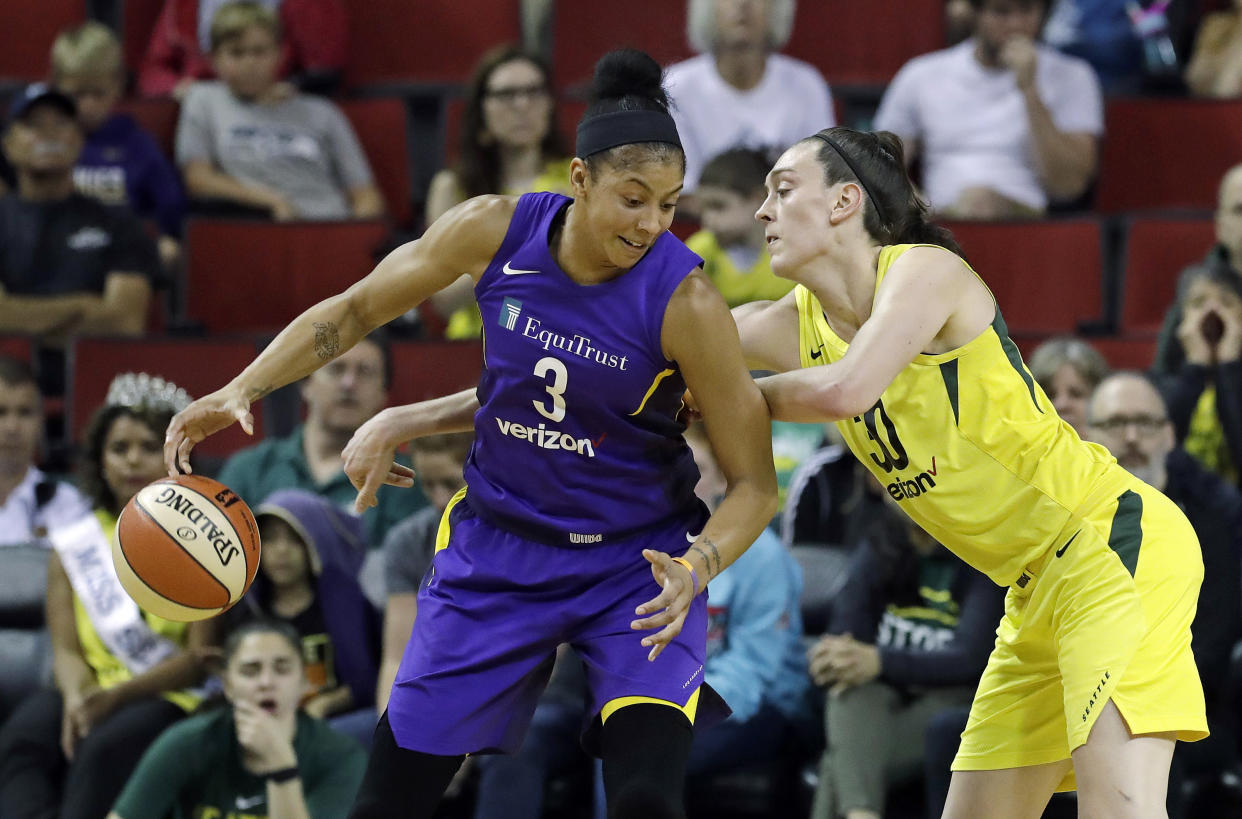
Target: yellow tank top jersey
{"type": "Point", "coordinates": [969, 445]}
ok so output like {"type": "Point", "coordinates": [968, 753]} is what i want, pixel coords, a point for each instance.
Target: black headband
{"type": "Point", "coordinates": [879, 210]}
{"type": "Point", "coordinates": [606, 131]}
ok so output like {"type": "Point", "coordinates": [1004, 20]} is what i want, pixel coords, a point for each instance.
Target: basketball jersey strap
{"type": "Point", "coordinates": [86, 556]}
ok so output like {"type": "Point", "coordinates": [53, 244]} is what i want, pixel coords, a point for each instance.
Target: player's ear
{"type": "Point", "coordinates": [579, 176]}
{"type": "Point", "coordinates": [846, 202]}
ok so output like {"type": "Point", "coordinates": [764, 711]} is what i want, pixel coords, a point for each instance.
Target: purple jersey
{"type": "Point", "coordinates": [577, 438]}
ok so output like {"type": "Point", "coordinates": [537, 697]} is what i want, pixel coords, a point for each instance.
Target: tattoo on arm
{"type": "Point", "coordinates": [712, 563]}
{"type": "Point", "coordinates": [327, 340]}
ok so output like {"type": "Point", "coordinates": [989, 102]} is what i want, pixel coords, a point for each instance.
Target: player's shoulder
{"type": "Point", "coordinates": [926, 260]}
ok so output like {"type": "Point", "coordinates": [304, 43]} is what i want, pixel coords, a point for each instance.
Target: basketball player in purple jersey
{"type": "Point", "coordinates": [578, 523]}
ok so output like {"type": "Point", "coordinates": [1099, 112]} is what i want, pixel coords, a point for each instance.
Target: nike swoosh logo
{"type": "Point", "coordinates": [246, 804]}
{"type": "Point", "coordinates": [691, 538]}
{"type": "Point", "coordinates": [1061, 551]}
{"type": "Point", "coordinates": [817, 353]}
{"type": "Point", "coordinates": [508, 270]}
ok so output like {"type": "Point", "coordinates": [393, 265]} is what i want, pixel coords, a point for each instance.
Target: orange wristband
{"type": "Point", "coordinates": [694, 576]}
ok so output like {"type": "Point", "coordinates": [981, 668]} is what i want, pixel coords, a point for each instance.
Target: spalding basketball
{"type": "Point", "coordinates": [186, 548]}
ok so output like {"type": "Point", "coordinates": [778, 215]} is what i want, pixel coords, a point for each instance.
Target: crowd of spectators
{"type": "Point", "coordinates": [846, 640]}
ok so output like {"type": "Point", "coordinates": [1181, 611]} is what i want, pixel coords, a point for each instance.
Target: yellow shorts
{"type": "Point", "coordinates": [1104, 614]}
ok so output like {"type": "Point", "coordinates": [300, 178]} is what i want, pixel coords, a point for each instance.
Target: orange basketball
{"type": "Point", "coordinates": [186, 548]}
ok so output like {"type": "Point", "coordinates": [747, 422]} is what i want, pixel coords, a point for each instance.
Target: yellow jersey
{"type": "Point", "coordinates": [969, 445]}
{"type": "Point", "coordinates": [756, 283]}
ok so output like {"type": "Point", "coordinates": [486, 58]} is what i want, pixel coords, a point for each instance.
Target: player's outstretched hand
{"type": "Point", "coordinates": [206, 416]}
{"type": "Point", "coordinates": [670, 606]}
{"type": "Point", "coordinates": [370, 463]}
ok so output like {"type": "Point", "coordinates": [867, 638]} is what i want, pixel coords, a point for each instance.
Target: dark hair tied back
{"type": "Point", "coordinates": [628, 121]}
{"type": "Point", "coordinates": [631, 80]}
{"type": "Point", "coordinates": [895, 214]}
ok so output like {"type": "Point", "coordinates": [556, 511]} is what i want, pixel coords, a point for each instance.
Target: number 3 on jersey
{"type": "Point", "coordinates": [556, 389]}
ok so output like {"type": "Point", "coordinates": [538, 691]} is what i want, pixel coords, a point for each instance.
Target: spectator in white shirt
{"type": "Point", "coordinates": [1002, 124]}
{"type": "Point", "coordinates": [31, 503]}
{"type": "Point", "coordinates": [740, 93]}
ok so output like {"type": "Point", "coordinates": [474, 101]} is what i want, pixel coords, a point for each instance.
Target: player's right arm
{"type": "Point", "coordinates": [461, 243]}
{"type": "Point", "coordinates": [368, 457]}
{"type": "Point", "coordinates": [769, 333]}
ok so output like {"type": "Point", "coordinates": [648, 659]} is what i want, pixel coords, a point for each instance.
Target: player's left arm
{"type": "Point", "coordinates": [699, 334]}
{"type": "Point", "coordinates": [928, 294]}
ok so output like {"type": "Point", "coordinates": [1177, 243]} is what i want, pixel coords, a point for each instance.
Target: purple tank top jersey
{"type": "Point", "coordinates": [577, 437]}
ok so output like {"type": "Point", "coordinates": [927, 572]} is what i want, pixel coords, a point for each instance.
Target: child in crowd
{"type": "Point", "coordinates": [409, 546]}
{"type": "Point", "coordinates": [121, 164]}
{"type": "Point", "coordinates": [731, 241]}
{"type": "Point", "coordinates": [312, 551]}
{"type": "Point", "coordinates": [247, 141]}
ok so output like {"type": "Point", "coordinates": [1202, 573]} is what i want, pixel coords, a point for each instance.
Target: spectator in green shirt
{"type": "Point", "coordinates": [339, 397]}
{"type": "Point", "coordinates": [260, 757]}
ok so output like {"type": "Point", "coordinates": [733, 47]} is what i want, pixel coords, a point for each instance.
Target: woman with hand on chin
{"type": "Point", "coordinates": [259, 757]}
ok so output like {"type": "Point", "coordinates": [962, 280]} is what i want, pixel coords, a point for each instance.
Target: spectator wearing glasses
{"type": "Point", "coordinates": [509, 144]}
{"type": "Point", "coordinates": [1128, 416]}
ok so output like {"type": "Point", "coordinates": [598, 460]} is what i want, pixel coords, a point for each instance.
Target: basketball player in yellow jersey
{"type": "Point", "coordinates": [894, 337]}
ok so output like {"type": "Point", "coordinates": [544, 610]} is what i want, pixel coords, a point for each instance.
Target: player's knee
{"type": "Point", "coordinates": [645, 799]}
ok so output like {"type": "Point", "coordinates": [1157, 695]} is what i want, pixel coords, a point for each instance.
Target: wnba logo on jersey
{"type": "Point", "coordinates": [509, 312]}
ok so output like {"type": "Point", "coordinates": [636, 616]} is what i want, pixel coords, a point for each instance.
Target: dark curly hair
{"type": "Point", "coordinates": [90, 464]}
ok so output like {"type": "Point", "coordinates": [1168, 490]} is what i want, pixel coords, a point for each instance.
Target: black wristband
{"type": "Point", "coordinates": [282, 775]}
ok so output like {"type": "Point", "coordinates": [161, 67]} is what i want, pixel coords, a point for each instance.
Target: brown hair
{"type": "Point", "coordinates": [232, 20]}
{"type": "Point", "coordinates": [478, 164]}
{"type": "Point", "coordinates": [893, 212]}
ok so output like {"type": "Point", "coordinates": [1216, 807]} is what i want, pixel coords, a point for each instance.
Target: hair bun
{"type": "Point", "coordinates": [629, 72]}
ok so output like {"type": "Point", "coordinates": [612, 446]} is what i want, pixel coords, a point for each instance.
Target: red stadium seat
{"type": "Point", "coordinates": [1047, 276]}
{"type": "Point", "coordinates": [582, 32]}
{"type": "Point", "coordinates": [20, 347]}
{"type": "Point", "coordinates": [28, 29]}
{"type": "Point", "coordinates": [1157, 250]}
{"type": "Point", "coordinates": [1167, 153]}
{"type": "Point", "coordinates": [855, 43]}
{"type": "Point", "coordinates": [198, 365]}
{"type": "Point", "coordinates": [424, 41]}
{"type": "Point", "coordinates": [429, 369]}
{"type": "Point", "coordinates": [158, 116]}
{"type": "Point", "coordinates": [381, 127]}
{"type": "Point", "coordinates": [257, 276]}
{"type": "Point", "coordinates": [137, 22]}
{"type": "Point", "coordinates": [1127, 352]}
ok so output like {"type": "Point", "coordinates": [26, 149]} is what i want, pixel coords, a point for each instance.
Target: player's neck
{"type": "Point", "coordinates": [571, 248]}
{"type": "Point", "coordinates": [741, 67]}
{"type": "Point", "coordinates": [843, 280]}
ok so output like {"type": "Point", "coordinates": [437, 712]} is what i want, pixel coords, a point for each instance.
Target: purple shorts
{"type": "Point", "coordinates": [492, 613]}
